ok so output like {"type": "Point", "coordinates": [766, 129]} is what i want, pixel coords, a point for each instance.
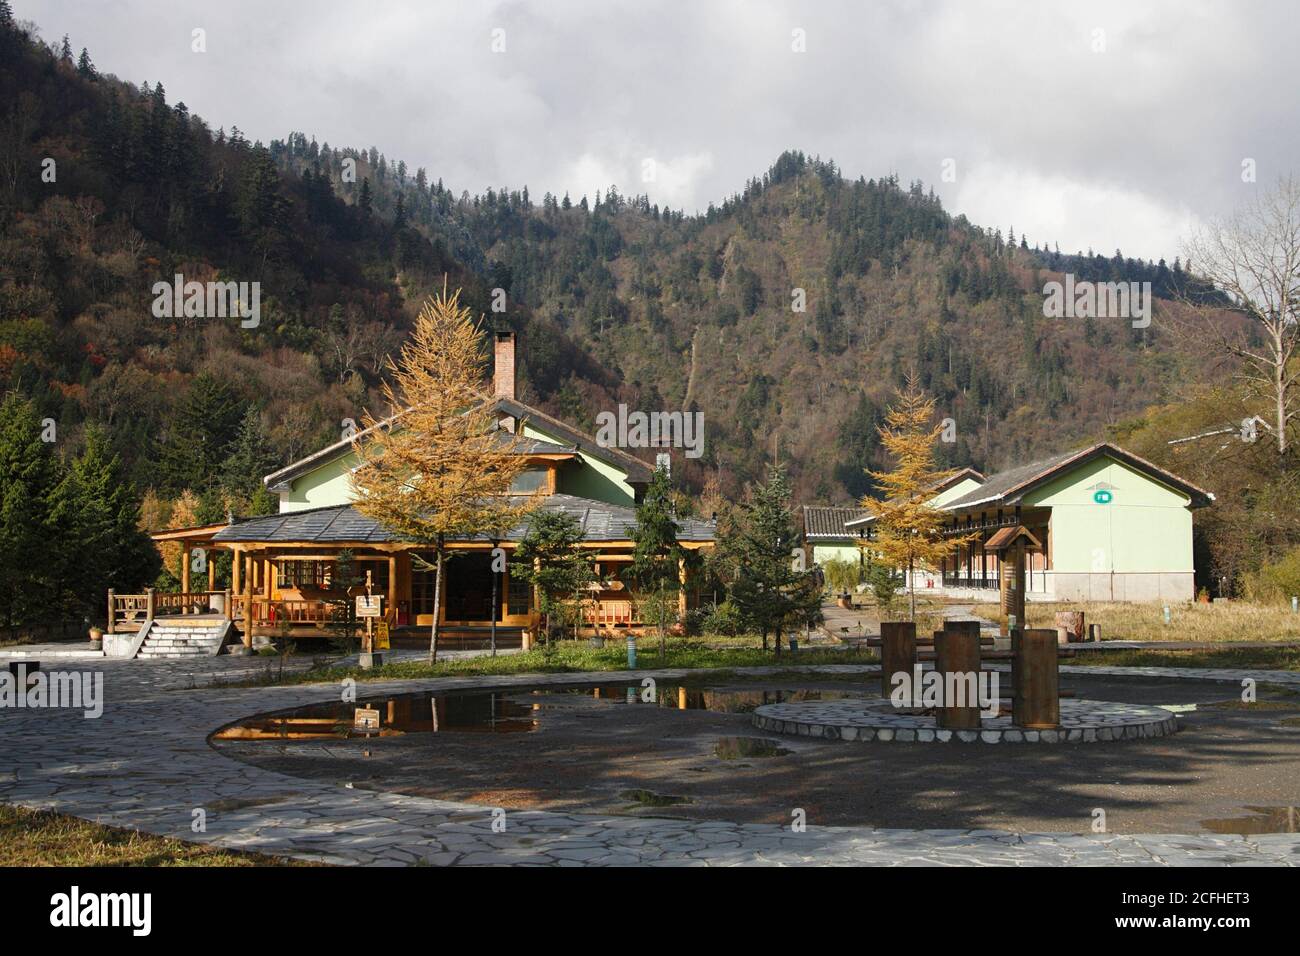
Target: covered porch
{"type": "Point", "coordinates": [295, 588]}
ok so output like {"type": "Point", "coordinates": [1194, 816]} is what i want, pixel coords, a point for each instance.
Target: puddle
{"type": "Point", "coordinates": [509, 711]}
{"type": "Point", "coordinates": [401, 714]}
{"type": "Point", "coordinates": [231, 804]}
{"type": "Point", "coordinates": [1263, 820]}
{"type": "Point", "coordinates": [648, 798]}
{"type": "Point", "coordinates": [732, 748]}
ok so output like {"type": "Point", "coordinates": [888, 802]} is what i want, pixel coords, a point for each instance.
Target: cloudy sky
{"type": "Point", "coordinates": [1092, 124]}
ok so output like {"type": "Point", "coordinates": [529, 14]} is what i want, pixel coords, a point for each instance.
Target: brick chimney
{"type": "Point", "coordinates": [503, 376]}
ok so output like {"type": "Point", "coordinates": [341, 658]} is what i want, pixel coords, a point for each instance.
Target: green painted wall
{"type": "Point", "coordinates": [1146, 526]}
{"type": "Point", "coordinates": [834, 551]}
{"type": "Point", "coordinates": [322, 486]}
{"type": "Point", "coordinates": [587, 477]}
{"type": "Point", "coordinates": [327, 484]}
{"type": "Point", "coordinates": [956, 491]}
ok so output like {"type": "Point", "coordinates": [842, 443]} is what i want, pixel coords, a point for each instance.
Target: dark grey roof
{"type": "Point", "coordinates": [343, 523]}
{"type": "Point", "coordinates": [1008, 487]}
{"type": "Point", "coordinates": [828, 522]}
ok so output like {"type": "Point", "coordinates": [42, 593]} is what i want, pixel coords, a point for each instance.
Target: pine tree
{"type": "Point", "coordinates": [249, 460]}
{"type": "Point", "coordinates": [31, 553]}
{"type": "Point", "coordinates": [656, 555]}
{"type": "Point", "coordinates": [908, 532]}
{"type": "Point", "coordinates": [199, 437]}
{"type": "Point", "coordinates": [550, 557]}
{"type": "Point", "coordinates": [757, 541]}
{"type": "Point", "coordinates": [65, 50]}
{"type": "Point", "coordinates": [443, 471]}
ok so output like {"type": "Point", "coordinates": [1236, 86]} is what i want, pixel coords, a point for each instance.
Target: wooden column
{"type": "Point", "coordinates": [185, 569]}
{"type": "Point", "coordinates": [248, 601]}
{"type": "Point", "coordinates": [236, 571]}
{"type": "Point", "coordinates": [957, 651]}
{"type": "Point", "coordinates": [1036, 695]}
{"type": "Point", "coordinates": [681, 594]}
{"type": "Point", "coordinates": [392, 587]}
{"type": "Point", "coordinates": [109, 628]}
{"type": "Point", "coordinates": [897, 652]}
{"type": "Point", "coordinates": [212, 572]}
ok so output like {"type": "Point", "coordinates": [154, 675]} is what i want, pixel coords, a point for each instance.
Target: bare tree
{"type": "Point", "coordinates": [1253, 256]}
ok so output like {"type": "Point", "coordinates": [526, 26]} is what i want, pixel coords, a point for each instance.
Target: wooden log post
{"type": "Point", "coordinates": [109, 628]}
{"type": "Point", "coordinates": [185, 569]}
{"type": "Point", "coordinates": [148, 604]}
{"type": "Point", "coordinates": [897, 652]}
{"type": "Point", "coordinates": [227, 604]}
{"type": "Point", "coordinates": [248, 601]}
{"type": "Point", "coordinates": [1035, 681]}
{"type": "Point", "coordinates": [957, 659]}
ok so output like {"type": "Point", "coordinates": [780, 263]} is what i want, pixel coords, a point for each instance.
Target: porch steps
{"type": "Point", "coordinates": [176, 637]}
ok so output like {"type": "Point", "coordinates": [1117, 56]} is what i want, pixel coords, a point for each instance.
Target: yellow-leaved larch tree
{"type": "Point", "coordinates": [442, 469]}
{"type": "Point", "coordinates": [908, 530]}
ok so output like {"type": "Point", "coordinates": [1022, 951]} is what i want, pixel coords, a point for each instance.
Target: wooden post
{"type": "Point", "coordinates": [681, 594]}
{"type": "Point", "coordinates": [212, 572]}
{"type": "Point", "coordinates": [957, 652]}
{"type": "Point", "coordinates": [227, 604]}
{"type": "Point", "coordinates": [248, 601]}
{"type": "Point", "coordinates": [392, 587]}
{"type": "Point", "coordinates": [1036, 696]}
{"type": "Point", "coordinates": [236, 571]}
{"type": "Point", "coordinates": [148, 604]}
{"type": "Point", "coordinates": [897, 652]}
{"type": "Point", "coordinates": [185, 569]}
{"type": "Point", "coordinates": [109, 628]}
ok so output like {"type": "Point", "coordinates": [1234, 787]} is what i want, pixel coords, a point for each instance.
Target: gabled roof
{"type": "Point", "coordinates": [638, 472]}
{"type": "Point", "coordinates": [344, 523]}
{"type": "Point", "coordinates": [1009, 487]}
{"type": "Point", "coordinates": [821, 522]}
{"type": "Point", "coordinates": [956, 478]}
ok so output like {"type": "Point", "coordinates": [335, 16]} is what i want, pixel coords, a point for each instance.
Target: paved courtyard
{"type": "Point", "coordinates": [147, 763]}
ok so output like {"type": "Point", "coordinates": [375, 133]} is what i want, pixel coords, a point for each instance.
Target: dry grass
{"type": "Point", "coordinates": [42, 838]}
{"type": "Point", "coordinates": [1193, 622]}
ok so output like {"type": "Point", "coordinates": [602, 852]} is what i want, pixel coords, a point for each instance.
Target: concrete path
{"type": "Point", "coordinates": [145, 763]}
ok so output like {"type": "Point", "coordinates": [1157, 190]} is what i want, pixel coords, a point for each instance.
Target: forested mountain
{"type": "Point", "coordinates": [618, 300]}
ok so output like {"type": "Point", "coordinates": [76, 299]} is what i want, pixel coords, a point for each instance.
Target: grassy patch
{"type": "Point", "coordinates": [1224, 622]}
{"type": "Point", "coordinates": [42, 838]}
{"type": "Point", "coordinates": [1259, 658]}
{"type": "Point", "coordinates": [570, 657]}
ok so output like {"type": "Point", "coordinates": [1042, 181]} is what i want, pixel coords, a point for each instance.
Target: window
{"type": "Point", "coordinates": [300, 574]}
{"type": "Point", "coordinates": [530, 481]}
{"type": "Point", "coordinates": [518, 596]}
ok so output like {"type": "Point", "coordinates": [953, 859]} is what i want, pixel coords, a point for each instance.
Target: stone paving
{"type": "Point", "coordinates": [877, 720]}
{"type": "Point", "coordinates": [146, 764]}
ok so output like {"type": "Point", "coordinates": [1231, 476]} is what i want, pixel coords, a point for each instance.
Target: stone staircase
{"type": "Point", "coordinates": [185, 637]}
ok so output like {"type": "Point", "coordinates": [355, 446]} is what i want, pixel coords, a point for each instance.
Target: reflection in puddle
{"type": "Point", "coordinates": [402, 714]}
{"type": "Point", "coordinates": [732, 748]}
{"type": "Point", "coordinates": [1263, 820]}
{"type": "Point", "coordinates": [648, 798]}
{"type": "Point", "coordinates": [513, 711]}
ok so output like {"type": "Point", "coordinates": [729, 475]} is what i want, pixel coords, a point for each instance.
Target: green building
{"type": "Point", "coordinates": [1109, 526]}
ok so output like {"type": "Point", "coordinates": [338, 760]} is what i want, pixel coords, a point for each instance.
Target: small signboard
{"type": "Point", "coordinates": [1102, 496]}
{"type": "Point", "coordinates": [369, 606]}
{"type": "Point", "coordinates": [366, 720]}
{"type": "Point", "coordinates": [381, 635]}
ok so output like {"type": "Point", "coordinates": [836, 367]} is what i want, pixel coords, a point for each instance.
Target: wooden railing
{"type": "Point", "coordinates": [611, 614]}
{"type": "Point", "coordinates": [269, 613]}
{"type": "Point", "coordinates": [128, 612]}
